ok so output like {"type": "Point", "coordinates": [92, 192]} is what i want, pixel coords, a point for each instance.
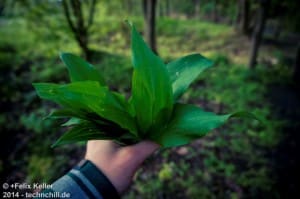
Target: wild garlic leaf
{"type": "Point", "coordinates": [97, 113]}
{"type": "Point", "coordinates": [189, 122]}
{"type": "Point", "coordinates": [82, 132]}
{"type": "Point", "coordinates": [152, 95]}
{"type": "Point", "coordinates": [80, 70]}
{"type": "Point", "coordinates": [185, 70]}
{"type": "Point", "coordinates": [77, 114]}
{"type": "Point", "coordinates": [88, 97]}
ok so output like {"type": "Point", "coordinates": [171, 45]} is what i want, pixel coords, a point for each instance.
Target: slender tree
{"type": "Point", "coordinates": [197, 8]}
{"type": "Point", "coordinates": [149, 8]}
{"type": "Point", "coordinates": [258, 32]}
{"type": "Point", "coordinates": [168, 7]}
{"type": "Point", "coordinates": [80, 26]}
{"type": "Point", "coordinates": [244, 16]}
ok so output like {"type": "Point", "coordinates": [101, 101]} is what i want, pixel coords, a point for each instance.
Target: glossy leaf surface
{"type": "Point", "coordinates": [81, 132]}
{"type": "Point", "coordinates": [94, 112]}
{"type": "Point", "coordinates": [190, 122]}
{"type": "Point", "coordinates": [87, 97]}
{"type": "Point", "coordinates": [151, 86]}
{"type": "Point", "coordinates": [80, 70]}
{"type": "Point", "coordinates": [185, 70]}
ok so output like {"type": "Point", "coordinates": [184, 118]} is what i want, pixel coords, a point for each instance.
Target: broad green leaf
{"type": "Point", "coordinates": [151, 86]}
{"type": "Point", "coordinates": [78, 114]}
{"type": "Point", "coordinates": [85, 130]}
{"type": "Point", "coordinates": [97, 113]}
{"type": "Point", "coordinates": [190, 122]}
{"type": "Point", "coordinates": [88, 97]}
{"type": "Point", "coordinates": [185, 70]}
{"type": "Point", "coordinates": [82, 132]}
{"type": "Point", "coordinates": [80, 70]}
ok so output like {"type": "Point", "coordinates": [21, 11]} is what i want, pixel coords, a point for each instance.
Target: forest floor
{"type": "Point", "coordinates": [243, 159]}
{"type": "Point", "coordinates": [281, 159]}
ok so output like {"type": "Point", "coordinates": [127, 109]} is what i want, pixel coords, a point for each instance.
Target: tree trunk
{"type": "Point", "coordinates": [168, 8]}
{"type": "Point", "coordinates": [258, 32]}
{"type": "Point", "coordinates": [79, 26]}
{"type": "Point", "coordinates": [149, 16]}
{"type": "Point", "coordinates": [296, 75]}
{"type": "Point", "coordinates": [244, 16]}
{"type": "Point", "coordinates": [197, 9]}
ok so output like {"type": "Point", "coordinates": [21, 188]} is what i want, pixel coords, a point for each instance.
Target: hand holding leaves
{"type": "Point", "coordinates": [151, 112]}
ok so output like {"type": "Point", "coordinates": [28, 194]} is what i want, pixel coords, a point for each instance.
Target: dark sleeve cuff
{"type": "Point", "coordinates": [97, 179]}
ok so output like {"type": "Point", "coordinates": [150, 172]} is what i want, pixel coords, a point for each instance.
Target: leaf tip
{"type": "Point", "coordinates": [208, 61]}
{"type": "Point", "coordinates": [57, 143]}
{"type": "Point", "coordinates": [63, 55]}
{"type": "Point", "coordinates": [128, 22]}
{"type": "Point", "coordinates": [131, 26]}
{"type": "Point", "coordinates": [246, 114]}
{"type": "Point", "coordinates": [54, 145]}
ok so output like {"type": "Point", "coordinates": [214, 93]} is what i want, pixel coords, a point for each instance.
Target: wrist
{"type": "Point", "coordinates": [98, 179]}
{"type": "Point", "coordinates": [118, 170]}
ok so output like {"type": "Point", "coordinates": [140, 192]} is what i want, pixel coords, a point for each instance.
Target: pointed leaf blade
{"type": "Point", "coordinates": [185, 70]}
{"type": "Point", "coordinates": [81, 132]}
{"type": "Point", "coordinates": [190, 122]}
{"type": "Point", "coordinates": [86, 98]}
{"type": "Point", "coordinates": [151, 86]}
{"type": "Point", "coordinates": [80, 70]}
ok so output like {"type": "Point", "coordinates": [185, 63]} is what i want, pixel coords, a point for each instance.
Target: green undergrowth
{"type": "Point", "coordinates": [232, 162]}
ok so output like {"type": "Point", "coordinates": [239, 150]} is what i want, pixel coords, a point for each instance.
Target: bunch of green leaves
{"type": "Point", "coordinates": [151, 113]}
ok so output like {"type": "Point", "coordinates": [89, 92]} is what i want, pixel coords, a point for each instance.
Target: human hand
{"type": "Point", "coordinates": [119, 164]}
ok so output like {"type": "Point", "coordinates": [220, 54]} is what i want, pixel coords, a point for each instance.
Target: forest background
{"type": "Point", "coordinates": [255, 46]}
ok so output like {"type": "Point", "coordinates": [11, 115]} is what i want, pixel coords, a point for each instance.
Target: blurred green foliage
{"type": "Point", "coordinates": [236, 161]}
